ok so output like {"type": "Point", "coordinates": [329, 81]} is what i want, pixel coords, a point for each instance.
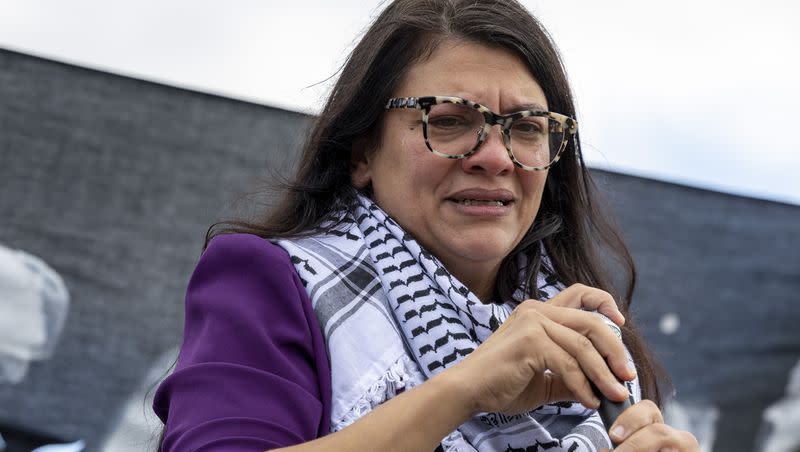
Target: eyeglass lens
{"type": "Point", "coordinates": [455, 129]}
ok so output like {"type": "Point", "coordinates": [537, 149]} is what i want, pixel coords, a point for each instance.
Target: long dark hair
{"type": "Point", "coordinates": [582, 242]}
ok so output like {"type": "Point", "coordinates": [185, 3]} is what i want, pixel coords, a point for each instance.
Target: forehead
{"type": "Point", "coordinates": [491, 76]}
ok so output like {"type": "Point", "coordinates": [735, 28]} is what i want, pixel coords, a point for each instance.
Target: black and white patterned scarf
{"type": "Point", "coordinates": [393, 316]}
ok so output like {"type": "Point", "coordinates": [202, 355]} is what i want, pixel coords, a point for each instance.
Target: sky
{"type": "Point", "coordinates": [703, 93]}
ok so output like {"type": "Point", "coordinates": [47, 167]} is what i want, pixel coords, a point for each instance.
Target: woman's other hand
{"type": "Point", "coordinates": [545, 353]}
{"type": "Point", "coordinates": [641, 428]}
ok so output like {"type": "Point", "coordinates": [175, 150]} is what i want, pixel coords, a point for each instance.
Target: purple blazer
{"type": "Point", "coordinates": [253, 372]}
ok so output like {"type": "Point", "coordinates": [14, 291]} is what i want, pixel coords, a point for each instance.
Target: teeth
{"type": "Point", "coordinates": [477, 202]}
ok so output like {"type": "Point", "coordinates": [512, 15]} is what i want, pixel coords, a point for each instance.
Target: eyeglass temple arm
{"type": "Point", "coordinates": [403, 102]}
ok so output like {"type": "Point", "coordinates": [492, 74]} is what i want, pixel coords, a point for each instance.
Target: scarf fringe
{"type": "Point", "coordinates": [455, 442]}
{"type": "Point", "coordinates": [400, 376]}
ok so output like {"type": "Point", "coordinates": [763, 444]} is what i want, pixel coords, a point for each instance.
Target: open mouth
{"type": "Point", "coordinates": [481, 202]}
{"type": "Point", "coordinates": [480, 197]}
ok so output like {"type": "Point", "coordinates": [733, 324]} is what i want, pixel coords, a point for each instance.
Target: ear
{"type": "Point", "coordinates": [360, 169]}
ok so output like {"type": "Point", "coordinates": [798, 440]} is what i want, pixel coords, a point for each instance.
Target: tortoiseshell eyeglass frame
{"type": "Point", "coordinates": [567, 125]}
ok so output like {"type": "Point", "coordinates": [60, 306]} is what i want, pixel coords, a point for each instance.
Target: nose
{"type": "Point", "coordinates": [491, 157]}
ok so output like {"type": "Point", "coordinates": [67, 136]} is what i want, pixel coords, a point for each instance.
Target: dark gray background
{"type": "Point", "coordinates": [113, 182]}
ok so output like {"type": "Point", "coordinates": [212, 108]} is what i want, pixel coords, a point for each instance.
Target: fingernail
{"type": "Point", "coordinates": [622, 389]}
{"type": "Point", "coordinates": [631, 368]}
{"type": "Point", "coordinates": [617, 432]}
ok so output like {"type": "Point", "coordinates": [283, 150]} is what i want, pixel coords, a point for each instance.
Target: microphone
{"type": "Point", "coordinates": [609, 410]}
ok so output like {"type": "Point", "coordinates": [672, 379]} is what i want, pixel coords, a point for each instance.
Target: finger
{"type": "Point", "coordinates": [659, 437]}
{"type": "Point", "coordinates": [564, 365]}
{"type": "Point", "coordinates": [602, 336]}
{"type": "Point", "coordinates": [546, 387]}
{"type": "Point", "coordinates": [635, 418]}
{"type": "Point", "coordinates": [589, 358]}
{"type": "Point", "coordinates": [557, 389]}
{"type": "Point", "coordinates": [590, 298]}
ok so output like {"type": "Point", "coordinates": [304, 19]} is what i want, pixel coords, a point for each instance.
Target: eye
{"type": "Point", "coordinates": [448, 122]}
{"type": "Point", "coordinates": [528, 126]}
{"type": "Point", "coordinates": [454, 118]}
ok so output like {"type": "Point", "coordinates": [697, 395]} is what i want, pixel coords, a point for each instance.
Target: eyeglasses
{"type": "Point", "coordinates": [455, 128]}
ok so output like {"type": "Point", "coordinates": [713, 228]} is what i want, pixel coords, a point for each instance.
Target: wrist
{"type": "Point", "coordinates": [454, 390]}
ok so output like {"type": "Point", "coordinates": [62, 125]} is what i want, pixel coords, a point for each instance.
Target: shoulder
{"type": "Point", "coordinates": [238, 270]}
{"type": "Point", "coordinates": [244, 301]}
{"type": "Point", "coordinates": [245, 251]}
{"type": "Point", "coordinates": [250, 329]}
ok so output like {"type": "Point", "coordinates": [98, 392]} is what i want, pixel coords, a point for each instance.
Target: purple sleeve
{"type": "Point", "coordinates": [252, 373]}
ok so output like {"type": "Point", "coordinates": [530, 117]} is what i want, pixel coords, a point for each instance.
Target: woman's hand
{"type": "Point", "coordinates": [580, 296]}
{"type": "Point", "coordinates": [641, 428]}
{"type": "Point", "coordinates": [547, 352]}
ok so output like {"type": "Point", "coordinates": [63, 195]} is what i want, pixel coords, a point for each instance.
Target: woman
{"type": "Point", "coordinates": [396, 301]}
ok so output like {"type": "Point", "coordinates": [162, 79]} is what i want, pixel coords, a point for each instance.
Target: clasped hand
{"type": "Point", "coordinates": [551, 351]}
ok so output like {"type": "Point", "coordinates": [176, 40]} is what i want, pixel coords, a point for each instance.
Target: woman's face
{"type": "Point", "coordinates": [446, 204]}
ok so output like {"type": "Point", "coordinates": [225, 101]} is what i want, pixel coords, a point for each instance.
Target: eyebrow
{"type": "Point", "coordinates": [521, 106]}
{"type": "Point", "coordinates": [525, 106]}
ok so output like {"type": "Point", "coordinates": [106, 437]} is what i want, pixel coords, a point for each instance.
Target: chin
{"type": "Point", "coordinates": [483, 250]}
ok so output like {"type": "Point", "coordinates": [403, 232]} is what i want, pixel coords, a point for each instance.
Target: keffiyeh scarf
{"type": "Point", "coordinates": [393, 316]}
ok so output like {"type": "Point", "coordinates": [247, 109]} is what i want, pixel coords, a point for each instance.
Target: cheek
{"type": "Point", "coordinates": [414, 149]}
{"type": "Point", "coordinates": [533, 184]}
{"type": "Point", "coordinates": [401, 176]}
{"type": "Point", "coordinates": [421, 170]}
{"type": "Point", "coordinates": [533, 187]}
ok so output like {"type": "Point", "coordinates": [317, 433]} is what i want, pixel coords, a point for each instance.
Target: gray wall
{"type": "Point", "coordinates": [113, 181]}
{"type": "Point", "coordinates": [729, 267]}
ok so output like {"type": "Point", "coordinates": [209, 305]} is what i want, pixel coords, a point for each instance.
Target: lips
{"type": "Point", "coordinates": [483, 197]}
{"type": "Point", "coordinates": [476, 202]}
